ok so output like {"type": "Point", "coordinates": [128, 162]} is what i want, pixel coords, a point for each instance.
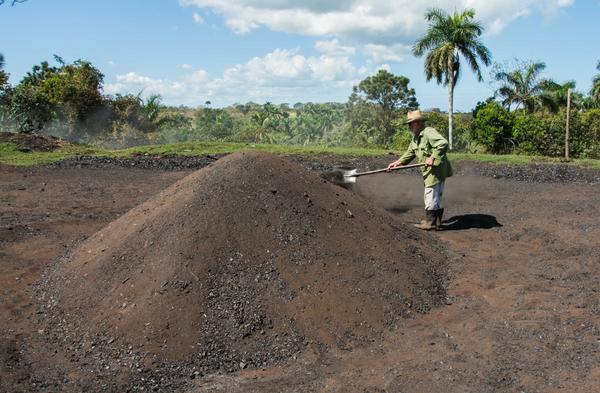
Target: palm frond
{"type": "Point", "coordinates": [436, 16]}
{"type": "Point", "coordinates": [448, 37]}
{"type": "Point", "coordinates": [472, 60]}
{"type": "Point", "coordinates": [595, 91]}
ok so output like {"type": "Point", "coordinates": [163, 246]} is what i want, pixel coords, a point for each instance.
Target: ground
{"type": "Point", "coordinates": [523, 312]}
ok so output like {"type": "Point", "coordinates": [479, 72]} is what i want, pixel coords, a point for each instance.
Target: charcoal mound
{"type": "Point", "coordinates": [33, 142]}
{"type": "Point", "coordinates": [243, 263]}
{"type": "Point", "coordinates": [141, 161]}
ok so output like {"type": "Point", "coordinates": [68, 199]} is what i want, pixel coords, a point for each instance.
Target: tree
{"type": "Point", "coordinates": [75, 89]}
{"type": "Point", "coordinates": [315, 121]}
{"type": "Point", "coordinates": [492, 126]}
{"type": "Point", "coordinates": [29, 108]}
{"type": "Point", "coordinates": [390, 94]}
{"type": "Point", "coordinates": [595, 92]}
{"type": "Point", "coordinates": [3, 77]}
{"type": "Point", "coordinates": [449, 37]}
{"type": "Point", "coordinates": [521, 86]}
{"type": "Point", "coordinates": [133, 111]}
{"type": "Point", "coordinates": [13, 2]}
{"type": "Point", "coordinates": [554, 95]}
{"type": "Point", "coordinates": [178, 121]}
{"type": "Point", "coordinates": [214, 124]}
{"type": "Point", "coordinates": [67, 95]}
{"type": "Point", "coordinates": [364, 122]}
{"type": "Point", "coordinates": [152, 107]}
{"type": "Point", "coordinates": [38, 74]}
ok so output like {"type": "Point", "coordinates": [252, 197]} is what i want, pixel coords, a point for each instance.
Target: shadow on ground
{"type": "Point", "coordinates": [469, 221]}
{"type": "Point", "coordinates": [401, 209]}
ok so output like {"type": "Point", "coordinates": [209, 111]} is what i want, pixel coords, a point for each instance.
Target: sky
{"type": "Point", "coordinates": [282, 51]}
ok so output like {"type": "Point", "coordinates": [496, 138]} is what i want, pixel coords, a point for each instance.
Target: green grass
{"type": "Point", "coordinates": [514, 159]}
{"type": "Point", "coordinates": [10, 154]}
{"type": "Point", "coordinates": [202, 148]}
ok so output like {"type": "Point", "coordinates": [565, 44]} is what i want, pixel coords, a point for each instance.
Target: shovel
{"type": "Point", "coordinates": [349, 176]}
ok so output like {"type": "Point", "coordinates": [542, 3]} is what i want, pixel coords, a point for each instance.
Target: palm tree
{"type": "Point", "coordinates": [3, 74]}
{"type": "Point", "coordinates": [152, 107]}
{"type": "Point", "coordinates": [521, 87]}
{"type": "Point", "coordinates": [449, 37]}
{"type": "Point", "coordinates": [554, 95]}
{"type": "Point", "coordinates": [595, 92]}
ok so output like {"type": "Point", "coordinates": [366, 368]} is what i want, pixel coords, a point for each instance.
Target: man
{"type": "Point", "coordinates": [428, 147]}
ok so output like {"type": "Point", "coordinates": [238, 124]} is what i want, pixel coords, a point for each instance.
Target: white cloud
{"type": "Point", "coordinates": [198, 18]}
{"type": "Point", "coordinates": [383, 29]}
{"type": "Point", "coordinates": [394, 53]}
{"type": "Point", "coordinates": [199, 76]}
{"type": "Point", "coordinates": [385, 67]}
{"type": "Point", "coordinates": [334, 48]}
{"type": "Point", "coordinates": [134, 83]}
{"type": "Point", "coordinates": [185, 66]}
{"type": "Point", "coordinates": [369, 21]}
{"type": "Point", "coordinates": [279, 76]}
{"type": "Point", "coordinates": [133, 78]}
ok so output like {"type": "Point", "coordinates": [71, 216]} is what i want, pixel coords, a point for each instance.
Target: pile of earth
{"type": "Point", "coordinates": [243, 263]}
{"type": "Point", "coordinates": [33, 142]}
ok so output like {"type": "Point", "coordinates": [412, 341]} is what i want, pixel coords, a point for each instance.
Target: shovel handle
{"type": "Point", "coordinates": [385, 170]}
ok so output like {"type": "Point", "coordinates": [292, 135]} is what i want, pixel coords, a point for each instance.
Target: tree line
{"type": "Point", "coordinates": [526, 114]}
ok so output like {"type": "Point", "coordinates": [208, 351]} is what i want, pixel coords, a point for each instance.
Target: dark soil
{"type": "Point", "coordinates": [327, 165]}
{"type": "Point", "coordinates": [522, 312]}
{"type": "Point", "coordinates": [32, 142]}
{"type": "Point", "coordinates": [242, 264]}
{"type": "Point", "coordinates": [141, 161]}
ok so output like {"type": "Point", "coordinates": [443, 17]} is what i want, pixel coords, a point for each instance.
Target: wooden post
{"type": "Point", "coordinates": [568, 124]}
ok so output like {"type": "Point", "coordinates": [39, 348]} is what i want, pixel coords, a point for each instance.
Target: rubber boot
{"type": "Point", "coordinates": [438, 219]}
{"type": "Point", "coordinates": [429, 223]}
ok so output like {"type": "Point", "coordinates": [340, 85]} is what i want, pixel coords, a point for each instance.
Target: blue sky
{"type": "Point", "coordinates": [229, 51]}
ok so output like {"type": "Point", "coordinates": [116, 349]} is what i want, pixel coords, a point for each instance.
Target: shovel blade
{"type": "Point", "coordinates": [349, 176]}
{"type": "Point", "coordinates": [338, 176]}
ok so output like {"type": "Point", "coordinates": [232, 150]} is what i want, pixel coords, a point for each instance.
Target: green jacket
{"type": "Point", "coordinates": [429, 143]}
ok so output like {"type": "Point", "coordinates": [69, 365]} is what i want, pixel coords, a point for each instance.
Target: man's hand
{"type": "Point", "coordinates": [393, 166]}
{"type": "Point", "coordinates": [429, 161]}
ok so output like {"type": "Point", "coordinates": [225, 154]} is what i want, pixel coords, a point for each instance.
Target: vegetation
{"type": "Point", "coordinates": [4, 89]}
{"type": "Point", "coordinates": [67, 101]}
{"type": "Point", "coordinates": [527, 114]}
{"type": "Point", "coordinates": [521, 87]}
{"type": "Point", "coordinates": [13, 2]}
{"type": "Point", "coordinates": [385, 96]}
{"type": "Point", "coordinates": [447, 39]}
{"type": "Point", "coordinates": [595, 92]}
{"type": "Point", "coordinates": [11, 155]}
{"type": "Point", "coordinates": [492, 127]}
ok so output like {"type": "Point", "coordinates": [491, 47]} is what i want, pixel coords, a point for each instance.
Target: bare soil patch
{"type": "Point", "coordinates": [522, 313]}
{"type": "Point", "coordinates": [241, 264]}
{"type": "Point", "coordinates": [33, 142]}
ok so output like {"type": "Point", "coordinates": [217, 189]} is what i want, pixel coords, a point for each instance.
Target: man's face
{"type": "Point", "coordinates": [415, 126]}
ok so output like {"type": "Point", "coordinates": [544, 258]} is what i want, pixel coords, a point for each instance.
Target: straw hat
{"type": "Point", "coordinates": [414, 116]}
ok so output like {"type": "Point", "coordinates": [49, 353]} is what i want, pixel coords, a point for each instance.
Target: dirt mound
{"type": "Point", "coordinates": [33, 142]}
{"type": "Point", "coordinates": [242, 263]}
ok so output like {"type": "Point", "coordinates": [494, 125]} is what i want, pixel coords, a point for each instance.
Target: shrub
{"type": "Point", "coordinates": [585, 139]}
{"type": "Point", "coordinates": [29, 108]}
{"type": "Point", "coordinates": [540, 134]}
{"type": "Point", "coordinates": [492, 127]}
